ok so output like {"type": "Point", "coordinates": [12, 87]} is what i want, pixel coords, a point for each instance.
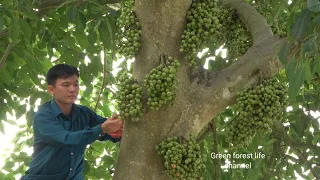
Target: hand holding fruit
{"type": "Point", "coordinates": [113, 126]}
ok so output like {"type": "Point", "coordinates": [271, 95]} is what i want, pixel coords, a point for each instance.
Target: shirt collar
{"type": "Point", "coordinates": [57, 111]}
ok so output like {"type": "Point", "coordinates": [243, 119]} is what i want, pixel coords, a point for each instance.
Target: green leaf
{"type": "Point", "coordinates": [307, 70]}
{"type": "Point", "coordinates": [295, 82]}
{"type": "Point", "coordinates": [106, 32]}
{"type": "Point", "coordinates": [71, 43]}
{"type": "Point", "coordinates": [284, 52]}
{"type": "Point", "coordinates": [314, 5]}
{"type": "Point", "coordinates": [271, 141]}
{"type": "Point", "coordinates": [25, 28]}
{"type": "Point", "coordinates": [39, 53]}
{"type": "Point", "coordinates": [92, 37]}
{"type": "Point", "coordinates": [108, 160]}
{"type": "Point", "coordinates": [89, 155]}
{"type": "Point", "coordinates": [100, 173]}
{"type": "Point", "coordinates": [310, 46]}
{"type": "Point", "coordinates": [86, 77]}
{"type": "Point", "coordinates": [22, 72]}
{"type": "Point", "coordinates": [279, 9]}
{"type": "Point", "coordinates": [297, 126]}
{"type": "Point", "coordinates": [14, 30]}
{"type": "Point", "coordinates": [82, 39]}
{"type": "Point", "coordinates": [301, 24]}
{"type": "Point", "coordinates": [95, 67]}
{"type": "Point", "coordinates": [72, 14]}
{"type": "Point", "coordinates": [29, 118]}
{"type": "Point", "coordinates": [8, 165]}
{"type": "Point", "coordinates": [69, 57]}
{"type": "Point", "coordinates": [1, 126]}
{"type": "Point", "coordinates": [86, 167]}
{"type": "Point", "coordinates": [20, 111]}
{"type": "Point", "coordinates": [82, 20]}
{"type": "Point", "coordinates": [36, 68]}
{"type": "Point", "coordinates": [317, 19]}
{"type": "Point", "coordinates": [316, 62]}
{"type": "Point", "coordinates": [1, 23]}
{"type": "Point", "coordinates": [290, 68]}
{"type": "Point", "coordinates": [6, 12]}
{"type": "Point", "coordinates": [94, 2]}
{"type": "Point", "coordinates": [106, 110]}
{"type": "Point", "coordinates": [6, 76]}
{"type": "Point", "coordinates": [12, 122]}
{"type": "Point", "coordinates": [228, 113]}
{"type": "Point", "coordinates": [97, 25]}
{"type": "Point", "coordinates": [31, 15]}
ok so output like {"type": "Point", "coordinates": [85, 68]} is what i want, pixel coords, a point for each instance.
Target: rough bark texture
{"type": "Point", "coordinates": [255, 22]}
{"type": "Point", "coordinates": [201, 94]}
{"type": "Point", "coordinates": [163, 23]}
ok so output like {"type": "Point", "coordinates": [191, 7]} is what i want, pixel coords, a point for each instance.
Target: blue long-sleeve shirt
{"type": "Point", "coordinates": [60, 142]}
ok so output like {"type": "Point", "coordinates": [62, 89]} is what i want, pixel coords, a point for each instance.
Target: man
{"type": "Point", "coordinates": [62, 129]}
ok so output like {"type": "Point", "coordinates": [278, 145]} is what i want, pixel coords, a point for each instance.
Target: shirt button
{"type": "Point", "coordinates": [70, 169]}
{"type": "Point", "coordinates": [71, 153]}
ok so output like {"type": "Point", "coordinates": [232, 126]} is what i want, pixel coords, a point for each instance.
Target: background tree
{"type": "Point", "coordinates": [272, 38]}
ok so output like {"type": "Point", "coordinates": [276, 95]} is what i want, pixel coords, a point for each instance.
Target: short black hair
{"type": "Point", "coordinates": [60, 71]}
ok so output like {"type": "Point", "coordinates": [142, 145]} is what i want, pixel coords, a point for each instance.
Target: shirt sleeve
{"type": "Point", "coordinates": [95, 119]}
{"type": "Point", "coordinates": [50, 131]}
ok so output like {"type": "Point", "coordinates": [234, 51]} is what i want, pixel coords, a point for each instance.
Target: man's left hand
{"type": "Point", "coordinates": [116, 134]}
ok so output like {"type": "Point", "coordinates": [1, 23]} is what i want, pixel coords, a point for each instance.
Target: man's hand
{"type": "Point", "coordinates": [113, 126]}
{"type": "Point", "coordinates": [117, 134]}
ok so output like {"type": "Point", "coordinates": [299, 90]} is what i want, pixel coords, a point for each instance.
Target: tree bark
{"type": "Point", "coordinates": [163, 23]}
{"type": "Point", "coordinates": [253, 20]}
{"type": "Point", "coordinates": [199, 97]}
{"type": "Point", "coordinates": [6, 54]}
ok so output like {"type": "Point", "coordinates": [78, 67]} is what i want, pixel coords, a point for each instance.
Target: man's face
{"type": "Point", "coordinates": [65, 90]}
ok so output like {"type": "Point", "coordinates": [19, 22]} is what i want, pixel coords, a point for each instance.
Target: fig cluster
{"type": "Point", "coordinates": [210, 24]}
{"type": "Point", "coordinates": [182, 160]}
{"type": "Point", "coordinates": [203, 20]}
{"type": "Point", "coordinates": [129, 31]}
{"type": "Point", "coordinates": [237, 38]}
{"type": "Point", "coordinates": [129, 97]}
{"type": "Point", "coordinates": [161, 83]}
{"type": "Point", "coordinates": [257, 109]}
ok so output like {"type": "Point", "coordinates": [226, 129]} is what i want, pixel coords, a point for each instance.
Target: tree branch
{"type": "Point", "coordinates": [206, 132]}
{"type": "Point", "coordinates": [272, 160]}
{"type": "Point", "coordinates": [4, 33]}
{"type": "Point", "coordinates": [214, 91]}
{"type": "Point", "coordinates": [254, 21]}
{"type": "Point", "coordinates": [279, 128]}
{"type": "Point", "coordinates": [103, 78]}
{"type": "Point", "coordinates": [287, 139]}
{"type": "Point", "coordinates": [309, 165]}
{"type": "Point", "coordinates": [6, 54]}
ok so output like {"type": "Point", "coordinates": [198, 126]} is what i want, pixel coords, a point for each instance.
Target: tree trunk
{"type": "Point", "coordinates": [200, 96]}
{"type": "Point", "coordinates": [163, 23]}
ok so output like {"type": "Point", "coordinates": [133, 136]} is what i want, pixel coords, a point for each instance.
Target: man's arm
{"type": "Point", "coordinates": [50, 131]}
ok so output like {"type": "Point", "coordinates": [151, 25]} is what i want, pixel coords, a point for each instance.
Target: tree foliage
{"type": "Point", "coordinates": [38, 34]}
